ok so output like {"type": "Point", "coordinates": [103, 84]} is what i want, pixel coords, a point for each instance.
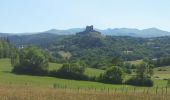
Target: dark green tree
{"type": "Point", "coordinates": [143, 75]}
{"type": "Point", "coordinates": [144, 70]}
{"type": "Point", "coordinates": [117, 61]}
{"type": "Point", "coordinates": [30, 60]}
{"type": "Point", "coordinates": [70, 71]}
{"type": "Point", "coordinates": [5, 48]}
{"type": "Point", "coordinates": [113, 75]}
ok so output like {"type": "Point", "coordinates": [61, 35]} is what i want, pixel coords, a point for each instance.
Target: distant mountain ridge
{"type": "Point", "coordinates": [145, 33]}
{"type": "Point", "coordinates": [64, 32]}
{"type": "Point", "coordinates": [150, 32]}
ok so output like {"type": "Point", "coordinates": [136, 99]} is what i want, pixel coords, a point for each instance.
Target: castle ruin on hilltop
{"type": "Point", "coordinates": [89, 28]}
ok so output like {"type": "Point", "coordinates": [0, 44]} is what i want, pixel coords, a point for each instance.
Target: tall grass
{"type": "Point", "coordinates": [29, 93]}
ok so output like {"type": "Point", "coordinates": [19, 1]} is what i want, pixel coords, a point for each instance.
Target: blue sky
{"type": "Point", "coordinates": [40, 15]}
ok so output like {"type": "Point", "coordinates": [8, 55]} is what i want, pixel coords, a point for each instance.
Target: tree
{"type": "Point", "coordinates": [5, 48]}
{"type": "Point", "coordinates": [143, 75]}
{"type": "Point", "coordinates": [144, 70]}
{"type": "Point", "coordinates": [31, 61]}
{"type": "Point", "coordinates": [117, 61]}
{"type": "Point", "coordinates": [14, 57]}
{"type": "Point", "coordinates": [127, 67]}
{"type": "Point", "coordinates": [112, 75]}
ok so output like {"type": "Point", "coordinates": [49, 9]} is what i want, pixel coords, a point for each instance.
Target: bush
{"type": "Point", "coordinates": [70, 71]}
{"type": "Point", "coordinates": [113, 75]}
{"type": "Point", "coordinates": [30, 60]}
{"type": "Point", "coordinates": [139, 82]}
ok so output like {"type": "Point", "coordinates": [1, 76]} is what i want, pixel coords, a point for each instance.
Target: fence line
{"type": "Point", "coordinates": [144, 90]}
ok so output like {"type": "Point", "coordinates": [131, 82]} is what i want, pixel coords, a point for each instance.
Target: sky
{"type": "Point", "coordinates": [19, 16]}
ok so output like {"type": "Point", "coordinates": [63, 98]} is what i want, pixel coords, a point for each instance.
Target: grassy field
{"type": "Point", "coordinates": [6, 78]}
{"type": "Point", "coordinates": [93, 72]}
{"type": "Point", "coordinates": [162, 72]}
{"type": "Point", "coordinates": [46, 87]}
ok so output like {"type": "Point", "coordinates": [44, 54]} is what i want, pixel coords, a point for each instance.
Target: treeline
{"type": "Point", "coordinates": [33, 61]}
{"type": "Point", "coordinates": [163, 61]}
{"type": "Point", "coordinates": [159, 62]}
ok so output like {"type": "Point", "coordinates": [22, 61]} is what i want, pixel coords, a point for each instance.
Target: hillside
{"type": "Point", "coordinates": [95, 49]}
{"type": "Point", "coordinates": [41, 40]}
{"type": "Point", "coordinates": [84, 46]}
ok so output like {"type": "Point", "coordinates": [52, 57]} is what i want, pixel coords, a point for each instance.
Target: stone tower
{"type": "Point", "coordinates": [89, 28]}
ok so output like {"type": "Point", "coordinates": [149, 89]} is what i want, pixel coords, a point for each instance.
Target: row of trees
{"type": "Point", "coordinates": [70, 71]}
{"type": "Point", "coordinates": [33, 61]}
{"type": "Point", "coordinates": [159, 62]}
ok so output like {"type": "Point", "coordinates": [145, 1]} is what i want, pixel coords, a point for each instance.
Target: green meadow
{"type": "Point", "coordinates": [9, 79]}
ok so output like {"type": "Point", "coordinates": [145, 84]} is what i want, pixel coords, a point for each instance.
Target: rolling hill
{"type": "Point", "coordinates": [145, 33]}
{"type": "Point", "coordinates": [94, 48]}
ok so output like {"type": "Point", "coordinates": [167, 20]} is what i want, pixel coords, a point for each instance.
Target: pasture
{"type": "Point", "coordinates": [50, 88]}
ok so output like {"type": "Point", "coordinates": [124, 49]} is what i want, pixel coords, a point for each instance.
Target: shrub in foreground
{"type": "Point", "coordinates": [30, 60]}
{"type": "Point", "coordinates": [113, 75]}
{"type": "Point", "coordinates": [139, 81]}
{"type": "Point", "coordinates": [70, 71]}
{"type": "Point", "coordinates": [144, 72]}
